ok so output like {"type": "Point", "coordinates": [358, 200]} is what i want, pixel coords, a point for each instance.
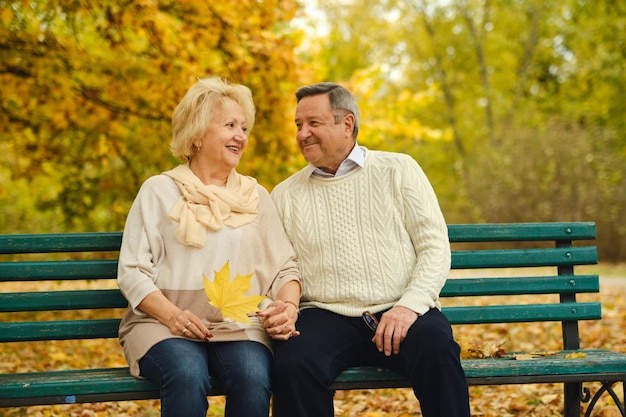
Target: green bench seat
{"type": "Point", "coordinates": [522, 246]}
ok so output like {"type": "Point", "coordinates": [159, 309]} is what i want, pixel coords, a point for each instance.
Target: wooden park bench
{"type": "Point", "coordinates": [93, 256]}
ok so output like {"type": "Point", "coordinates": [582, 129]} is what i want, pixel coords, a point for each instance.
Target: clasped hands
{"type": "Point", "coordinates": [279, 320]}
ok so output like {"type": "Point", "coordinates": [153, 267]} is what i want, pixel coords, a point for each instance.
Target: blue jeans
{"type": "Point", "coordinates": [306, 366]}
{"type": "Point", "coordinates": [184, 370]}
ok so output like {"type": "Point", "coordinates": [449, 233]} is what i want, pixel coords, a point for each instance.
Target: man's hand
{"type": "Point", "coordinates": [392, 329]}
{"type": "Point", "coordinates": [279, 320]}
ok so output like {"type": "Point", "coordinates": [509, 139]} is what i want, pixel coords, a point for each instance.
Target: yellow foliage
{"type": "Point", "coordinates": [228, 296]}
{"type": "Point", "coordinates": [88, 88]}
{"type": "Point", "coordinates": [6, 15]}
{"type": "Point", "coordinates": [58, 356]}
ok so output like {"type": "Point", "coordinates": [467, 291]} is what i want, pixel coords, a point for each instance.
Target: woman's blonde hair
{"type": "Point", "coordinates": [193, 114]}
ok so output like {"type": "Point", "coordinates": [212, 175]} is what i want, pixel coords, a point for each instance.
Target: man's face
{"type": "Point", "coordinates": [323, 142]}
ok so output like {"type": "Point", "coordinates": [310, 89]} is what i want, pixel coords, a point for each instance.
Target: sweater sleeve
{"type": "Point", "coordinates": [141, 245]}
{"type": "Point", "coordinates": [427, 228]}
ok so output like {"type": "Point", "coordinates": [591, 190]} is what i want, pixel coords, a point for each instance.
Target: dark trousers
{"type": "Point", "coordinates": [305, 366]}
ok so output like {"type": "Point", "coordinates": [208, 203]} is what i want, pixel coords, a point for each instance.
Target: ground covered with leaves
{"type": "Point", "coordinates": [486, 401]}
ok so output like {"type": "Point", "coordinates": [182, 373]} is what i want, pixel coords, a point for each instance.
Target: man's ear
{"type": "Point", "coordinates": [348, 121]}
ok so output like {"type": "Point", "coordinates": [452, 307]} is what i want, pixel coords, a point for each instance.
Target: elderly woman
{"type": "Point", "coordinates": [199, 221]}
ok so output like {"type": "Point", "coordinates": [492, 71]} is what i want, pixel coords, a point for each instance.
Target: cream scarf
{"type": "Point", "coordinates": [203, 207]}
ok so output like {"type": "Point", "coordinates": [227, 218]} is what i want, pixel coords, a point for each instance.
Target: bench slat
{"type": "Point", "coordinates": [72, 386]}
{"type": "Point", "coordinates": [107, 268]}
{"type": "Point", "coordinates": [62, 300]}
{"type": "Point", "coordinates": [523, 313]}
{"type": "Point", "coordinates": [60, 242]}
{"type": "Point", "coordinates": [58, 270]}
{"type": "Point", "coordinates": [111, 241]}
{"type": "Point", "coordinates": [559, 284]}
{"type": "Point", "coordinates": [107, 328]}
{"type": "Point", "coordinates": [595, 362]}
{"type": "Point", "coordinates": [597, 365]}
{"type": "Point", "coordinates": [75, 386]}
{"type": "Point", "coordinates": [509, 258]}
{"type": "Point", "coordinates": [58, 330]}
{"type": "Point", "coordinates": [506, 232]}
{"type": "Point", "coordinates": [98, 299]}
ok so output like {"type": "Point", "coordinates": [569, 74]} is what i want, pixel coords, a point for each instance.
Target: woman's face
{"type": "Point", "coordinates": [225, 139]}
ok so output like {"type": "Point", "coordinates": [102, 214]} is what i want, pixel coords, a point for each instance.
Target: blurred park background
{"type": "Point", "coordinates": [514, 108]}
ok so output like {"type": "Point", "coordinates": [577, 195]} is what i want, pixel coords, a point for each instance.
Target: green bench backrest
{"type": "Point", "coordinates": [475, 247]}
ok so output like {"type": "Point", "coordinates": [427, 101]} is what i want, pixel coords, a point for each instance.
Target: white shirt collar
{"type": "Point", "coordinates": [354, 160]}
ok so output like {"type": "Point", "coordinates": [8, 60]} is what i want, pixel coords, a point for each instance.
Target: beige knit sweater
{"type": "Point", "coordinates": [152, 259]}
{"type": "Point", "coordinates": [368, 240]}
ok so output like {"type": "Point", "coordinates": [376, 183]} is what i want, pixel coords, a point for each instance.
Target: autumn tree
{"type": "Point", "coordinates": [514, 108]}
{"type": "Point", "coordinates": [88, 89]}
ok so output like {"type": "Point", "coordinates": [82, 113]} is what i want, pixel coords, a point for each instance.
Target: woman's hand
{"type": "Point", "coordinates": [279, 319]}
{"type": "Point", "coordinates": [186, 324]}
{"type": "Point", "coordinates": [181, 323]}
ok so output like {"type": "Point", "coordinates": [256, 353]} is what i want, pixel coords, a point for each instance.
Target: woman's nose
{"type": "Point", "coordinates": [242, 133]}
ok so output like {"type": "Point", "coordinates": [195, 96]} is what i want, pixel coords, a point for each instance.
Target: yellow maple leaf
{"type": "Point", "coordinates": [228, 296]}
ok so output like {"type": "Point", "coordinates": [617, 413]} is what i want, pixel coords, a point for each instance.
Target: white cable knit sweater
{"type": "Point", "coordinates": [368, 240]}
